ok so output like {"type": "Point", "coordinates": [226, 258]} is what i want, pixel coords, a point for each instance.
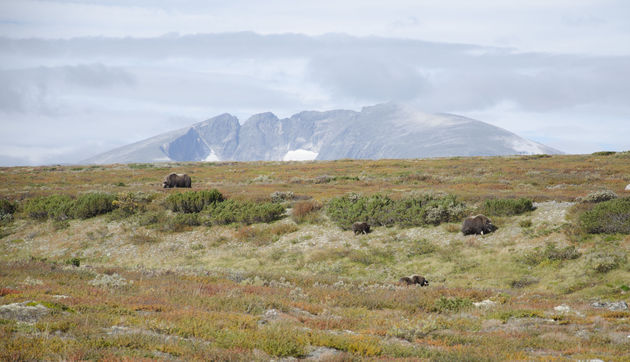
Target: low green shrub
{"type": "Point", "coordinates": [130, 203]}
{"type": "Point", "coordinates": [58, 207]}
{"type": "Point", "coordinates": [451, 304]}
{"type": "Point", "coordinates": [192, 201]}
{"type": "Point", "coordinates": [550, 253]}
{"type": "Point", "coordinates": [506, 207]}
{"type": "Point", "coordinates": [381, 210]}
{"type": "Point", "coordinates": [603, 262]}
{"type": "Point", "coordinates": [62, 207]}
{"type": "Point", "coordinates": [7, 207]}
{"type": "Point", "coordinates": [152, 218]}
{"type": "Point", "coordinates": [74, 261]}
{"type": "Point", "coordinates": [603, 153]}
{"type": "Point", "coordinates": [93, 204]}
{"type": "Point", "coordinates": [607, 217]}
{"type": "Point", "coordinates": [246, 212]}
{"type": "Point", "coordinates": [187, 219]}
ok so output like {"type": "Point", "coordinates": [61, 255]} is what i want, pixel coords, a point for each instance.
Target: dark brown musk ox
{"type": "Point", "coordinates": [360, 228]}
{"type": "Point", "coordinates": [478, 224]}
{"type": "Point", "coordinates": [176, 180]}
{"type": "Point", "coordinates": [414, 279]}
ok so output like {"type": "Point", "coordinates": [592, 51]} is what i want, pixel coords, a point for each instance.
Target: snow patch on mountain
{"type": "Point", "coordinates": [300, 155]}
{"type": "Point", "coordinates": [212, 157]}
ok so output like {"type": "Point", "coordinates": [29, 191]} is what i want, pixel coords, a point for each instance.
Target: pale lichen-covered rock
{"type": "Point", "coordinates": [112, 281]}
{"type": "Point", "coordinates": [23, 312]}
{"type": "Point", "coordinates": [612, 306]}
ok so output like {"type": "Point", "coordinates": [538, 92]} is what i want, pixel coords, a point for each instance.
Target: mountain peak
{"type": "Point", "coordinates": [386, 130]}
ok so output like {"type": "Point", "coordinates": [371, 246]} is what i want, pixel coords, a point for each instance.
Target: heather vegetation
{"type": "Point", "coordinates": [101, 263]}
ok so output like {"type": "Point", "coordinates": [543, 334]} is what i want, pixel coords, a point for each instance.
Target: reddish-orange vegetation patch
{"type": "Point", "coordinates": [7, 291]}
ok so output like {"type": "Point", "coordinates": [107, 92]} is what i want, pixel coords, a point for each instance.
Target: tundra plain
{"type": "Point", "coordinates": [150, 284]}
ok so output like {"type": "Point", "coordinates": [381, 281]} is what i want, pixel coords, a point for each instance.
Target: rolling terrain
{"type": "Point", "coordinates": [144, 282]}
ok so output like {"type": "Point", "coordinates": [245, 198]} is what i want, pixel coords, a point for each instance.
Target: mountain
{"type": "Point", "coordinates": [388, 130]}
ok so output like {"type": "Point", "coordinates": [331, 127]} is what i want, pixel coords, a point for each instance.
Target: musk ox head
{"type": "Point", "coordinates": [176, 180]}
{"type": "Point", "coordinates": [360, 228]}
{"type": "Point", "coordinates": [477, 225]}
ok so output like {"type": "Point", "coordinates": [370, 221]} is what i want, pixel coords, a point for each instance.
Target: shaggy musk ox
{"type": "Point", "coordinates": [414, 279]}
{"type": "Point", "coordinates": [360, 228]}
{"type": "Point", "coordinates": [478, 224]}
{"type": "Point", "coordinates": [176, 180]}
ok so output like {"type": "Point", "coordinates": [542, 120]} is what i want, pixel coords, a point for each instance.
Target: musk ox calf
{"type": "Point", "coordinates": [414, 279]}
{"type": "Point", "coordinates": [176, 180]}
{"type": "Point", "coordinates": [360, 228]}
{"type": "Point", "coordinates": [478, 224]}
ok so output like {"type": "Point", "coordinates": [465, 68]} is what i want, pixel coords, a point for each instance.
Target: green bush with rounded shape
{"type": "Point", "coordinates": [192, 201]}
{"type": "Point", "coordinates": [246, 212]}
{"type": "Point", "coordinates": [58, 207]}
{"type": "Point", "coordinates": [507, 207]}
{"type": "Point", "coordinates": [608, 217]}
{"type": "Point", "coordinates": [93, 204]}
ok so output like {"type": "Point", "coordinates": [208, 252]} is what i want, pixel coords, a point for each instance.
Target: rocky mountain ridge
{"type": "Point", "coordinates": [387, 130]}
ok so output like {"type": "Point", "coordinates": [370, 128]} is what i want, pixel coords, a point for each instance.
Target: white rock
{"type": "Point", "coordinates": [485, 304]}
{"type": "Point", "coordinates": [562, 308]}
{"type": "Point", "coordinates": [627, 187]}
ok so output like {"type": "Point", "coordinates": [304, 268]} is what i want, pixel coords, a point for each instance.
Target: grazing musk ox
{"type": "Point", "coordinates": [360, 228]}
{"type": "Point", "coordinates": [414, 279]}
{"type": "Point", "coordinates": [176, 180]}
{"type": "Point", "coordinates": [478, 224]}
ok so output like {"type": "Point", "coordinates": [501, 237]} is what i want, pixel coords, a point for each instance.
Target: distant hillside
{"type": "Point", "coordinates": [387, 130]}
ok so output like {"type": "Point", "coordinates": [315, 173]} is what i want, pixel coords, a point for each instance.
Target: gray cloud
{"type": "Point", "coordinates": [35, 89]}
{"type": "Point", "coordinates": [95, 88]}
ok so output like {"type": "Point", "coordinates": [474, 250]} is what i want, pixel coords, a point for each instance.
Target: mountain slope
{"type": "Point", "coordinates": [387, 130]}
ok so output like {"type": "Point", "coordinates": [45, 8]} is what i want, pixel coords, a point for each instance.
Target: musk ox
{"type": "Point", "coordinates": [176, 180]}
{"type": "Point", "coordinates": [360, 228]}
{"type": "Point", "coordinates": [414, 279]}
{"type": "Point", "coordinates": [478, 224]}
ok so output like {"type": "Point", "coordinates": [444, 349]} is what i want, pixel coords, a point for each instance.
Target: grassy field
{"type": "Point", "coordinates": [144, 282]}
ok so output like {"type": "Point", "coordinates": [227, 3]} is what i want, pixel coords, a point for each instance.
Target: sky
{"type": "Point", "coordinates": [80, 77]}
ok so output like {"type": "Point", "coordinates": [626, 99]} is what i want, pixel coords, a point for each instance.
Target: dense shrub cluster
{"type": "Point", "coordinates": [62, 207]}
{"type": "Point", "coordinates": [507, 207]}
{"type": "Point", "coordinates": [381, 210]}
{"type": "Point", "coordinates": [246, 212]}
{"type": "Point", "coordinates": [608, 217]}
{"type": "Point", "coordinates": [192, 201]}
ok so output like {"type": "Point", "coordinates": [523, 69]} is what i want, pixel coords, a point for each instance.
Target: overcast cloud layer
{"type": "Point", "coordinates": [80, 77]}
